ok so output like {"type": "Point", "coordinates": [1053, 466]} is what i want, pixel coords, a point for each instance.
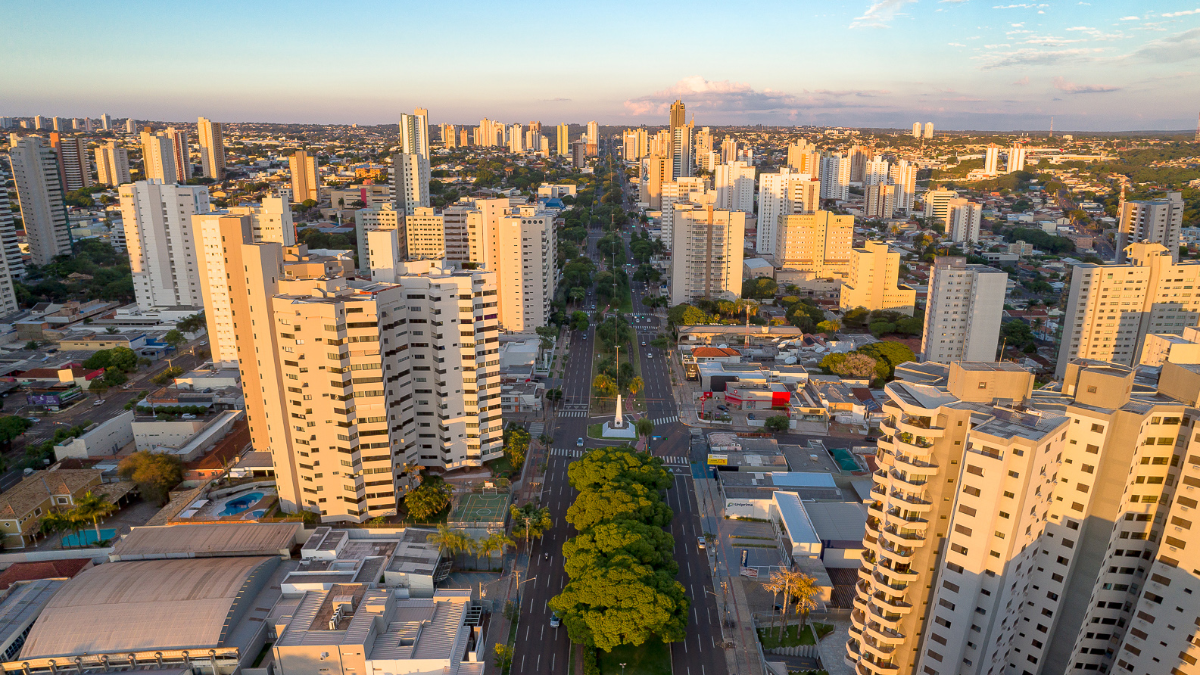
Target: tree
{"type": "Point", "coordinates": [760, 288]}
{"type": "Point", "coordinates": [450, 541]}
{"type": "Point", "coordinates": [99, 386]}
{"type": "Point", "coordinates": [154, 473]}
{"type": "Point", "coordinates": [428, 499]}
{"type": "Point", "coordinates": [891, 354]}
{"type": "Point", "coordinates": [628, 501]}
{"type": "Point", "coordinates": [502, 657]}
{"type": "Point", "coordinates": [93, 507]}
{"type": "Point", "coordinates": [516, 444]}
{"type": "Point", "coordinates": [12, 426]}
{"type": "Point", "coordinates": [174, 338]}
{"type": "Point", "coordinates": [602, 544]}
{"type": "Point", "coordinates": [805, 592]}
{"type": "Point", "coordinates": [685, 315]}
{"type": "Point", "coordinates": [644, 427]}
{"type": "Point", "coordinates": [530, 522]}
{"type": "Point", "coordinates": [635, 384]}
{"type": "Point", "coordinates": [828, 327]}
{"type": "Point", "coordinates": [852, 365]}
{"type": "Point", "coordinates": [491, 544]}
{"type": "Point", "coordinates": [787, 580]}
{"type": "Point", "coordinates": [604, 385]}
{"type": "Point", "coordinates": [55, 522]}
{"type": "Point", "coordinates": [554, 395]}
{"type": "Point", "coordinates": [191, 324]}
{"type": "Point", "coordinates": [776, 423]}
{"type": "Point", "coordinates": [618, 465]}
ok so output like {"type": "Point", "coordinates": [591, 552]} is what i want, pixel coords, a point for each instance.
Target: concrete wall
{"type": "Point", "coordinates": [152, 433]}
{"type": "Point", "coordinates": [104, 439]}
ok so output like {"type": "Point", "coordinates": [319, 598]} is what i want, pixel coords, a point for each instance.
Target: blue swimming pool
{"type": "Point", "coordinates": [87, 538]}
{"type": "Point", "coordinates": [236, 506]}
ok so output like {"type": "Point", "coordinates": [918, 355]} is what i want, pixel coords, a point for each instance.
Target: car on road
{"type": "Point", "coordinates": [751, 417]}
{"type": "Point", "coordinates": [33, 420]}
{"type": "Point", "coordinates": [656, 438]}
{"type": "Point", "coordinates": [97, 402]}
{"type": "Point", "coordinates": [649, 355]}
{"type": "Point", "coordinates": [700, 543]}
{"type": "Point", "coordinates": [187, 416]}
{"type": "Point", "coordinates": [643, 343]}
{"type": "Point", "coordinates": [555, 622]}
{"type": "Point", "coordinates": [722, 408]}
{"type": "Point", "coordinates": [579, 442]}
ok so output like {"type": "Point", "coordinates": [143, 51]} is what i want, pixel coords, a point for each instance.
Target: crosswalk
{"type": "Point", "coordinates": [573, 413]}
{"type": "Point", "coordinates": [576, 453]}
{"type": "Point", "coordinates": [666, 420]}
{"type": "Point", "coordinates": [536, 429]}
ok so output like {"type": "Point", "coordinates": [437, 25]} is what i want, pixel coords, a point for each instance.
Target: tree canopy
{"type": "Point", "coordinates": [620, 464]}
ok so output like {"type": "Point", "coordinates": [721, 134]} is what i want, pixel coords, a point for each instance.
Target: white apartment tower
{"type": "Point", "coordinates": [963, 310]}
{"type": "Point", "coordinates": [40, 195]}
{"type": "Point", "coordinates": [734, 183]}
{"type": "Point", "coordinates": [706, 253]}
{"type": "Point", "coordinates": [410, 182]}
{"type": "Point", "coordinates": [876, 171]}
{"type": "Point", "coordinates": [928, 130]}
{"type": "Point", "coordinates": [880, 201]}
{"type": "Point", "coordinates": [105, 122]}
{"type": "Point", "coordinates": [1016, 157]}
{"type": "Point", "coordinates": [783, 194]}
{"type": "Point", "coordinates": [8, 272]}
{"type": "Point", "coordinates": [916, 130]}
{"type": "Point", "coordinates": [112, 164]}
{"type": "Point", "coordinates": [414, 133]}
{"type": "Point", "coordinates": [523, 253]}
{"type": "Point", "coordinates": [158, 235]}
{"type": "Point", "coordinates": [819, 242]}
{"type": "Point", "coordinates": [212, 148]}
{"type": "Point", "coordinates": [1158, 221]}
{"type": "Point", "coordinates": [803, 157]}
{"type": "Point", "coordinates": [937, 204]}
{"type": "Point", "coordinates": [991, 160]}
{"type": "Point", "coordinates": [835, 176]}
{"type": "Point", "coordinates": [686, 189]}
{"type": "Point", "coordinates": [904, 177]}
{"type": "Point", "coordinates": [306, 182]}
{"type": "Point", "coordinates": [1153, 297]}
{"type": "Point", "coordinates": [166, 156]}
{"type": "Point", "coordinates": [963, 220]}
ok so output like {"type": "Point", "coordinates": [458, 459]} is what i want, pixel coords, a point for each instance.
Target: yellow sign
{"type": "Point", "coordinates": [718, 460]}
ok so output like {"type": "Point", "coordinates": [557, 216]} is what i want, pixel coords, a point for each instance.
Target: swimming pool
{"type": "Point", "coordinates": [236, 506]}
{"type": "Point", "coordinates": [87, 537]}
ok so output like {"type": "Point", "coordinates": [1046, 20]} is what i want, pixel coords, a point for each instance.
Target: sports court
{"type": "Point", "coordinates": [480, 509]}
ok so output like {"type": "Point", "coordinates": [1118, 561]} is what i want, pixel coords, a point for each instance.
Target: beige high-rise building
{"type": "Point", "coordinates": [379, 217]}
{"type": "Point", "coordinates": [593, 133]}
{"type": "Point", "coordinates": [691, 189]}
{"type": "Point", "coordinates": [73, 166]}
{"type": "Point", "coordinates": [157, 218]}
{"type": "Point", "coordinates": [1016, 157]}
{"type": "Point", "coordinates": [414, 133]}
{"type": "Point", "coordinates": [991, 159]}
{"type": "Point", "coordinates": [112, 164]}
{"type": "Point", "coordinates": [937, 204]}
{"type": "Point", "coordinates": [410, 182]}
{"type": "Point", "coordinates": [655, 172]}
{"type": "Point", "coordinates": [783, 194]}
{"type": "Point", "coordinates": [449, 136]}
{"type": "Point", "coordinates": [704, 142]}
{"type": "Point", "coordinates": [306, 182]}
{"type": "Point", "coordinates": [1152, 295]}
{"type": "Point", "coordinates": [523, 253]}
{"type": "Point", "coordinates": [963, 220]}
{"type": "Point", "coordinates": [425, 234]}
{"type": "Point", "coordinates": [803, 157]}
{"type": "Point", "coordinates": [904, 178]}
{"type": "Point", "coordinates": [873, 282]}
{"type": "Point", "coordinates": [635, 144]}
{"type": "Point", "coordinates": [166, 156]}
{"type": "Point", "coordinates": [212, 148]}
{"type": "Point", "coordinates": [40, 195]}
{"type": "Point", "coordinates": [818, 242]}
{"type": "Point", "coordinates": [962, 311]}
{"type": "Point", "coordinates": [928, 130]}
{"type": "Point", "coordinates": [734, 183]}
{"type": "Point", "coordinates": [706, 253]}
{"type": "Point", "coordinates": [880, 201]}
{"type": "Point", "coordinates": [916, 130]}
{"type": "Point", "coordinates": [563, 146]}
{"type": "Point", "coordinates": [1158, 221]}
{"type": "Point", "coordinates": [335, 446]}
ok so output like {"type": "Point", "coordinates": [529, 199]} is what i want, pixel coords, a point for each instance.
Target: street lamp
{"type": "Point", "coordinates": [622, 669]}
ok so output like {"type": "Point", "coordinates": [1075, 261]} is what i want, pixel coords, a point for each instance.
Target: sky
{"type": "Point", "coordinates": [961, 64]}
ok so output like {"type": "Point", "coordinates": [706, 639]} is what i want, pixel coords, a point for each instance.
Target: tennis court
{"type": "Point", "coordinates": [480, 508]}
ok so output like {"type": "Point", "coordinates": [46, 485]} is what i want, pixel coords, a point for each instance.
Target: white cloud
{"type": "Point", "coordinates": [1186, 12]}
{"type": "Point", "coordinates": [1131, 18]}
{"type": "Point", "coordinates": [1035, 57]}
{"type": "Point", "coordinates": [1022, 82]}
{"type": "Point", "coordinates": [1024, 5]}
{"type": "Point", "coordinates": [1182, 47]}
{"type": "Point", "coordinates": [1063, 85]}
{"type": "Point", "coordinates": [740, 98]}
{"type": "Point", "coordinates": [880, 14]}
{"type": "Point", "coordinates": [956, 44]}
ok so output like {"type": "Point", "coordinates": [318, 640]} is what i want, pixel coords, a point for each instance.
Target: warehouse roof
{"type": "Point", "coordinates": [144, 605]}
{"type": "Point", "coordinates": [205, 540]}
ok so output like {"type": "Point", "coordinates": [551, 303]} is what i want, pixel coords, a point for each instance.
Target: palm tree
{"type": "Point", "coordinates": [787, 579]}
{"type": "Point", "coordinates": [58, 521]}
{"type": "Point", "coordinates": [636, 385]}
{"type": "Point", "coordinates": [805, 592]}
{"type": "Point", "coordinates": [93, 507]}
{"type": "Point", "coordinates": [776, 587]}
{"type": "Point", "coordinates": [644, 427]}
{"type": "Point", "coordinates": [491, 544]}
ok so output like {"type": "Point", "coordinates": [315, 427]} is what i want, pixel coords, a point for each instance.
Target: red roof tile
{"type": "Point", "coordinates": [49, 569]}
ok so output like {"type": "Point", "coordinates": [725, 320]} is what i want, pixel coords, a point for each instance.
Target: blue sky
{"type": "Point", "coordinates": [962, 64]}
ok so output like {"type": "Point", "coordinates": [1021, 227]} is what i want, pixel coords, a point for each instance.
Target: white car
{"type": "Point", "coordinates": [555, 622]}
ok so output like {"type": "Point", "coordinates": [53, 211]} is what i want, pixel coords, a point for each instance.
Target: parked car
{"type": "Point", "coordinates": [722, 408]}
{"type": "Point", "coordinates": [187, 416]}
{"type": "Point", "coordinates": [751, 417]}
{"type": "Point", "coordinates": [579, 442]}
{"type": "Point", "coordinates": [700, 543]}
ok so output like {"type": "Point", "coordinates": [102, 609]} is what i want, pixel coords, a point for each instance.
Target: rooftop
{"type": "Point", "coordinates": [34, 490]}
{"type": "Point", "coordinates": [204, 540]}
{"type": "Point", "coordinates": [46, 569]}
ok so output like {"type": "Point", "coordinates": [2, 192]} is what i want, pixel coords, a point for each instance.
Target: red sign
{"type": "Point", "coordinates": [705, 395]}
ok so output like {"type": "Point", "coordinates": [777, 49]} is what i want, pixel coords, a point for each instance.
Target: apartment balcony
{"type": "Point", "coordinates": [871, 647]}
{"type": "Point", "coordinates": [891, 604]}
{"type": "Point", "coordinates": [887, 426]}
{"type": "Point", "coordinates": [894, 519]}
{"type": "Point", "coordinates": [910, 463]}
{"type": "Point", "coordinates": [868, 665]}
{"type": "Point", "coordinates": [909, 438]}
{"type": "Point", "coordinates": [876, 614]}
{"type": "Point", "coordinates": [896, 552]}
{"type": "Point", "coordinates": [884, 636]}
{"type": "Point", "coordinates": [912, 502]}
{"type": "Point", "coordinates": [887, 580]}
{"type": "Point", "coordinates": [875, 508]}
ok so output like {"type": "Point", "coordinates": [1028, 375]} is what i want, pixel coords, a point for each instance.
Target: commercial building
{"type": "Point", "coordinates": [734, 182]}
{"type": "Point", "coordinates": [306, 182]}
{"type": "Point", "coordinates": [73, 166]}
{"type": "Point", "coordinates": [40, 194]}
{"type": "Point", "coordinates": [157, 219]}
{"type": "Point", "coordinates": [269, 223]}
{"type": "Point", "coordinates": [783, 194]}
{"type": "Point", "coordinates": [818, 242]}
{"type": "Point", "coordinates": [414, 133]}
{"type": "Point", "coordinates": [963, 219]}
{"type": "Point", "coordinates": [1152, 300]}
{"type": "Point", "coordinates": [873, 281]}
{"type": "Point", "coordinates": [212, 148]}
{"type": "Point", "coordinates": [1154, 221]}
{"type": "Point", "coordinates": [112, 164]}
{"type": "Point", "coordinates": [706, 253]}
{"type": "Point", "coordinates": [410, 182]}
{"type": "Point", "coordinates": [963, 311]}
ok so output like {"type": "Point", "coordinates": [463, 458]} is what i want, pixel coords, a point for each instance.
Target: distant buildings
{"type": "Point", "coordinates": [40, 194]}
{"type": "Point", "coordinates": [835, 176]}
{"type": "Point", "coordinates": [937, 204]}
{"type": "Point", "coordinates": [112, 164]}
{"type": "Point", "coordinates": [414, 133]}
{"type": "Point", "coordinates": [166, 156]}
{"type": "Point", "coordinates": [783, 194]}
{"type": "Point", "coordinates": [410, 182]}
{"type": "Point", "coordinates": [73, 166]}
{"type": "Point", "coordinates": [873, 281]}
{"type": "Point", "coordinates": [1016, 157]}
{"type": "Point", "coordinates": [734, 183]}
{"type": "Point", "coordinates": [991, 160]}
{"type": "Point", "coordinates": [928, 130]}
{"type": "Point", "coordinates": [962, 312]}
{"type": "Point", "coordinates": [212, 148]}
{"type": "Point", "coordinates": [306, 182]}
{"type": "Point", "coordinates": [1157, 221]}
{"type": "Point", "coordinates": [563, 140]}
{"type": "Point", "coordinates": [963, 220]}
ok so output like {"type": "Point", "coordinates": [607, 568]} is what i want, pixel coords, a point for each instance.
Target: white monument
{"type": "Point", "coordinates": [617, 428]}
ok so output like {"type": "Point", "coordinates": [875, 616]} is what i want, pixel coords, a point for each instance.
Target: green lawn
{"type": "Point", "coordinates": [595, 430]}
{"type": "Point", "coordinates": [769, 636]}
{"type": "Point", "coordinates": [653, 657]}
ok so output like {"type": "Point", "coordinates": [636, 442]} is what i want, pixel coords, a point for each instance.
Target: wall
{"type": "Point", "coordinates": [748, 508]}
{"type": "Point", "coordinates": [842, 558]}
{"type": "Point", "coordinates": [152, 433]}
{"type": "Point", "coordinates": [102, 440]}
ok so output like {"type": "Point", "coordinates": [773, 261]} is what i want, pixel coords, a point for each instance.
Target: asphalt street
{"type": "Point", "coordinates": [541, 648]}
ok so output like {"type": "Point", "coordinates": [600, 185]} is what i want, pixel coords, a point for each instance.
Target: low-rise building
{"type": "Point", "coordinates": [23, 506]}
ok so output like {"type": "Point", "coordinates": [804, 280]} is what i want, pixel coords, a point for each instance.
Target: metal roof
{"type": "Point", "coordinates": [225, 539]}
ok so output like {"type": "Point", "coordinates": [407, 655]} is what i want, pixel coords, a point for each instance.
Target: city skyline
{"type": "Point", "coordinates": [1002, 67]}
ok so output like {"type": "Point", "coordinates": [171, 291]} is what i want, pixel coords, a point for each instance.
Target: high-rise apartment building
{"type": "Point", "coordinates": [835, 176]}
{"type": "Point", "coordinates": [158, 235]}
{"type": "Point", "coordinates": [937, 204]}
{"type": "Point", "coordinates": [379, 217]}
{"type": "Point", "coordinates": [306, 182]}
{"type": "Point", "coordinates": [655, 172]}
{"type": "Point", "coordinates": [112, 164]}
{"type": "Point", "coordinates": [963, 219]}
{"type": "Point", "coordinates": [681, 152]}
{"type": "Point", "coordinates": [704, 142]}
{"type": "Point", "coordinates": [212, 148]}
{"type": "Point", "coordinates": [875, 171]}
{"type": "Point", "coordinates": [734, 183]}
{"type": "Point", "coordinates": [105, 122]}
{"type": "Point", "coordinates": [706, 253]}
{"type": "Point", "coordinates": [1016, 157]}
{"type": "Point", "coordinates": [1152, 299]}
{"type": "Point", "coordinates": [873, 282]}
{"type": "Point", "coordinates": [166, 156]}
{"type": "Point", "coordinates": [40, 195]}
{"type": "Point", "coordinates": [516, 139]}
{"type": "Point", "coordinates": [880, 201]}
{"type": "Point", "coordinates": [962, 311]}
{"type": "Point", "coordinates": [523, 253]}
{"type": "Point", "coordinates": [564, 140]}
{"type": "Point", "coordinates": [803, 157]}
{"type": "Point", "coordinates": [678, 114]}
{"type": "Point", "coordinates": [916, 129]}
{"type": "Point", "coordinates": [11, 266]}
{"type": "Point", "coordinates": [904, 178]}
{"type": "Point", "coordinates": [729, 150]}
{"type": "Point", "coordinates": [593, 133]}
{"type": "Point", "coordinates": [691, 189]}
{"type": "Point", "coordinates": [636, 145]}
{"type": "Point", "coordinates": [783, 194]}
{"type": "Point", "coordinates": [410, 182]}
{"type": "Point", "coordinates": [818, 242]}
{"type": "Point", "coordinates": [991, 159]}
{"type": "Point", "coordinates": [425, 234]}
{"type": "Point", "coordinates": [131, 126]}
{"type": "Point", "coordinates": [414, 133]}
{"type": "Point", "coordinates": [1157, 221]}
{"type": "Point", "coordinates": [859, 156]}
{"type": "Point", "coordinates": [929, 130]}
{"type": "Point", "coordinates": [73, 167]}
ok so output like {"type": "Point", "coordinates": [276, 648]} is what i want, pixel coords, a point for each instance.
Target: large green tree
{"type": "Point", "coordinates": [647, 545]}
{"type": "Point", "coordinates": [620, 464]}
{"type": "Point", "coordinates": [428, 499]}
{"type": "Point", "coordinates": [629, 500]}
